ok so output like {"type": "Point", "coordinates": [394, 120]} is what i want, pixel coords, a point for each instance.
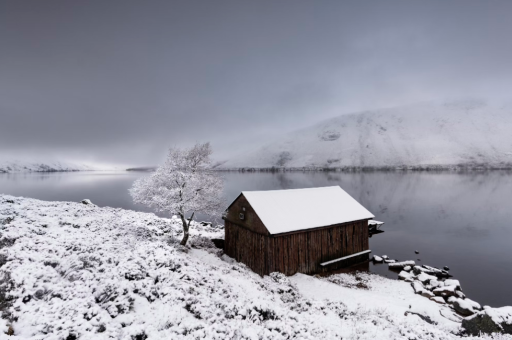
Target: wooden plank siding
{"type": "Point", "coordinates": [298, 251]}
{"type": "Point", "coordinates": [251, 219]}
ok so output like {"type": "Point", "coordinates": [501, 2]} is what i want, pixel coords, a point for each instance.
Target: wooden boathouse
{"type": "Point", "coordinates": [299, 230]}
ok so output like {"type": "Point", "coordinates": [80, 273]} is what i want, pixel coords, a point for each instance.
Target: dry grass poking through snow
{"type": "Point", "coordinates": [358, 280]}
{"type": "Point", "coordinates": [75, 271]}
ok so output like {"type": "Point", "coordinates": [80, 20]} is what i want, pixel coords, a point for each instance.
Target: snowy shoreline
{"type": "Point", "coordinates": [78, 271]}
{"type": "Point", "coordinates": [14, 167]}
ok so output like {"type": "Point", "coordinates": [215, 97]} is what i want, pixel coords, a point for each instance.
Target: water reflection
{"type": "Point", "coordinates": [463, 220]}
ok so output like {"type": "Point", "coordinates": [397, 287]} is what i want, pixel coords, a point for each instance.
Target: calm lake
{"type": "Point", "coordinates": [463, 221]}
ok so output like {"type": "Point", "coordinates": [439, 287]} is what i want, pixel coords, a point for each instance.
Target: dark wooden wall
{"type": "Point", "coordinates": [251, 221]}
{"type": "Point", "coordinates": [247, 247]}
{"type": "Point", "coordinates": [299, 251]}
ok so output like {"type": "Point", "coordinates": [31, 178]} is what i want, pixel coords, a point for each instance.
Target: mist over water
{"type": "Point", "coordinates": [460, 220]}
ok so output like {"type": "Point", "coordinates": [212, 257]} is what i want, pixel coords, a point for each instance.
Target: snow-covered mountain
{"type": "Point", "coordinates": [23, 166]}
{"type": "Point", "coordinates": [464, 133]}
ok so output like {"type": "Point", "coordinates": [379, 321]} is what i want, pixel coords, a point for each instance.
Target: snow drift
{"type": "Point", "coordinates": [78, 271]}
{"type": "Point", "coordinates": [463, 134]}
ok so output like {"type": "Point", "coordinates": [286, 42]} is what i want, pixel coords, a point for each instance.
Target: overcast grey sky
{"type": "Point", "coordinates": [120, 81]}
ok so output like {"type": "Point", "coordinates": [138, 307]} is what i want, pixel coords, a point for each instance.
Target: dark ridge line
{"type": "Point", "coordinates": [397, 168]}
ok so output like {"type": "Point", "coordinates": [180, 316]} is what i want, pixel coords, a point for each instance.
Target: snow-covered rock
{"type": "Point", "coordinates": [408, 277]}
{"type": "Point", "coordinates": [451, 299]}
{"type": "Point", "coordinates": [490, 320]}
{"type": "Point", "coordinates": [377, 259]}
{"type": "Point", "coordinates": [418, 287]}
{"type": "Point", "coordinates": [460, 294]}
{"type": "Point", "coordinates": [438, 299]}
{"type": "Point", "coordinates": [445, 134]}
{"type": "Point", "coordinates": [473, 304]}
{"type": "Point", "coordinates": [425, 278]}
{"type": "Point", "coordinates": [452, 282]}
{"type": "Point", "coordinates": [445, 291]}
{"type": "Point", "coordinates": [419, 269]}
{"type": "Point", "coordinates": [463, 307]}
{"type": "Point", "coordinates": [434, 283]}
{"type": "Point", "coordinates": [427, 294]}
{"type": "Point", "coordinates": [431, 271]}
{"type": "Point", "coordinates": [401, 265]}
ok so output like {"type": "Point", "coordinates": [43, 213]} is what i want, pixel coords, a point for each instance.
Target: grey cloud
{"type": "Point", "coordinates": [119, 81]}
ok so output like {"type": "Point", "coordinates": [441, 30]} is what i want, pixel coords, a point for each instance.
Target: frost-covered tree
{"type": "Point", "coordinates": [184, 184]}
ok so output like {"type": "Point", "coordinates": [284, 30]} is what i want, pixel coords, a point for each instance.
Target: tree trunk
{"type": "Point", "coordinates": [186, 227]}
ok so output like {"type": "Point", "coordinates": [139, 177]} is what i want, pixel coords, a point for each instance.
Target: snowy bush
{"type": "Point", "coordinates": [201, 242]}
{"type": "Point", "coordinates": [358, 280]}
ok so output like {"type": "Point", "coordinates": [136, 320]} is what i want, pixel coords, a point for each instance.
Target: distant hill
{"type": "Point", "coordinates": [144, 168]}
{"type": "Point", "coordinates": [464, 133]}
{"type": "Point", "coordinates": [23, 166]}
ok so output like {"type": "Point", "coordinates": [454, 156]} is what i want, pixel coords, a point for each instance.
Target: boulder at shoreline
{"type": "Point", "coordinates": [490, 320]}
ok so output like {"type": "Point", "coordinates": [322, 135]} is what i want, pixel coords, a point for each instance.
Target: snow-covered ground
{"type": "Point", "coordinates": [78, 271]}
{"type": "Point", "coordinates": [467, 133]}
{"type": "Point", "coordinates": [17, 166]}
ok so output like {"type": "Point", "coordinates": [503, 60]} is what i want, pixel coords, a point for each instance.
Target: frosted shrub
{"type": "Point", "coordinates": [201, 242]}
{"type": "Point", "coordinates": [360, 280]}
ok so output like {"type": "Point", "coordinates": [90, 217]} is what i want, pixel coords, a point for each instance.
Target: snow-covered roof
{"type": "Point", "coordinates": [284, 211]}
